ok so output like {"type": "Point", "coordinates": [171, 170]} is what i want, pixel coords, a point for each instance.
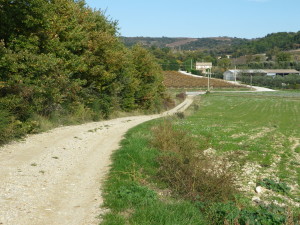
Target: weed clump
{"type": "Point", "coordinates": [181, 96]}
{"type": "Point", "coordinates": [229, 214]}
{"type": "Point", "coordinates": [180, 115]}
{"type": "Point", "coordinates": [196, 107]}
{"type": "Point", "coordinates": [168, 102]}
{"type": "Point", "coordinates": [270, 184]}
{"type": "Point", "coordinates": [188, 171]}
{"type": "Point", "coordinates": [134, 194]}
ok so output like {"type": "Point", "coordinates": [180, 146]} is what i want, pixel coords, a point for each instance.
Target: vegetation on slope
{"type": "Point", "coordinates": [160, 42]}
{"type": "Point", "coordinates": [283, 41]}
{"type": "Point", "coordinates": [62, 61]}
{"type": "Point", "coordinates": [221, 45]}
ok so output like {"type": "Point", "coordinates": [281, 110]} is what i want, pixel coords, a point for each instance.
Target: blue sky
{"type": "Point", "coordinates": [202, 18]}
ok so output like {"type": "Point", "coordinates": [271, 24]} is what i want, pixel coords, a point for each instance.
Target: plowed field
{"type": "Point", "coordinates": [178, 80]}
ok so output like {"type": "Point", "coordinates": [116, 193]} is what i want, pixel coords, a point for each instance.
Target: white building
{"type": "Point", "coordinates": [203, 66]}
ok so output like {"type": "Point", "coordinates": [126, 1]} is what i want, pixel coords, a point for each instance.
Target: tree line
{"type": "Point", "coordinates": [61, 59]}
{"type": "Point", "coordinates": [291, 81]}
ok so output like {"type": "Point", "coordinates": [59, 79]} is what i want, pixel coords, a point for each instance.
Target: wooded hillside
{"type": "Point", "coordinates": [219, 45]}
{"type": "Point", "coordinates": [224, 45]}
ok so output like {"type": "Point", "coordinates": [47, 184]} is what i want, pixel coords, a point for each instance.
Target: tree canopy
{"type": "Point", "coordinates": [62, 57]}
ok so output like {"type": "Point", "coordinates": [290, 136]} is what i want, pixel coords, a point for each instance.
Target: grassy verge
{"type": "Point", "coordinates": [132, 193]}
{"type": "Point", "coordinates": [255, 133]}
{"type": "Point", "coordinates": [14, 129]}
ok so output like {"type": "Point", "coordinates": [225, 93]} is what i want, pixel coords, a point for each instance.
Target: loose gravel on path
{"type": "Point", "coordinates": [55, 177]}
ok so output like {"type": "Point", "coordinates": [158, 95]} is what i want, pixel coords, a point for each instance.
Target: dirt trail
{"type": "Point", "coordinates": [54, 177]}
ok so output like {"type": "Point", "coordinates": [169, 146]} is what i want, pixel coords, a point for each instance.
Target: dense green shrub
{"type": "Point", "coordinates": [10, 127]}
{"type": "Point", "coordinates": [4, 123]}
{"type": "Point", "coordinates": [197, 72]}
{"type": "Point", "coordinates": [217, 75]}
{"type": "Point", "coordinates": [60, 58]}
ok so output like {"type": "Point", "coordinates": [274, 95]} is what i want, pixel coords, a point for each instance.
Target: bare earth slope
{"type": "Point", "coordinates": [54, 177]}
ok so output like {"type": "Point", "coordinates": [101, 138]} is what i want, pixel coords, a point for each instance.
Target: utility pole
{"type": "Point", "coordinates": [191, 64]}
{"type": "Point", "coordinates": [208, 79]}
{"type": "Point", "coordinates": [235, 74]}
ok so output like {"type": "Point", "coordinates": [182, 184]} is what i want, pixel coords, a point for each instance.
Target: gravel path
{"type": "Point", "coordinates": [55, 177]}
{"type": "Point", "coordinates": [255, 88]}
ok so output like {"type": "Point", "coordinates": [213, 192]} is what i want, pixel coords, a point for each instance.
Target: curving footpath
{"type": "Point", "coordinates": [54, 177]}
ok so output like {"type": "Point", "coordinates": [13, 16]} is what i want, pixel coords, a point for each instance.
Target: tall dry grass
{"type": "Point", "coordinates": [187, 170]}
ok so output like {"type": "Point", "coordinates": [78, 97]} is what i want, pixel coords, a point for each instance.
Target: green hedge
{"type": "Point", "coordinates": [291, 81]}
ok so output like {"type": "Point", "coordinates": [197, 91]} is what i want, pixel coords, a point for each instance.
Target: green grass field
{"type": "Point", "coordinates": [257, 133]}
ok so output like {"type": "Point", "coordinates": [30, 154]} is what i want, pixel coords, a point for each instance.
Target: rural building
{"type": "Point", "coordinates": [227, 56]}
{"type": "Point", "coordinates": [203, 66]}
{"type": "Point", "coordinates": [232, 74]}
{"type": "Point", "coordinates": [281, 72]}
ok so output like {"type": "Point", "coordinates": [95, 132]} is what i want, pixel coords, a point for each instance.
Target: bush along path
{"type": "Point", "coordinates": [54, 177]}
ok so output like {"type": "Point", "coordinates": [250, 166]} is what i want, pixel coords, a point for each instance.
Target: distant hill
{"type": "Point", "coordinates": [160, 42]}
{"type": "Point", "coordinates": [212, 43]}
{"type": "Point", "coordinates": [284, 41]}
{"type": "Point", "coordinates": [181, 42]}
{"type": "Point", "coordinates": [218, 44]}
